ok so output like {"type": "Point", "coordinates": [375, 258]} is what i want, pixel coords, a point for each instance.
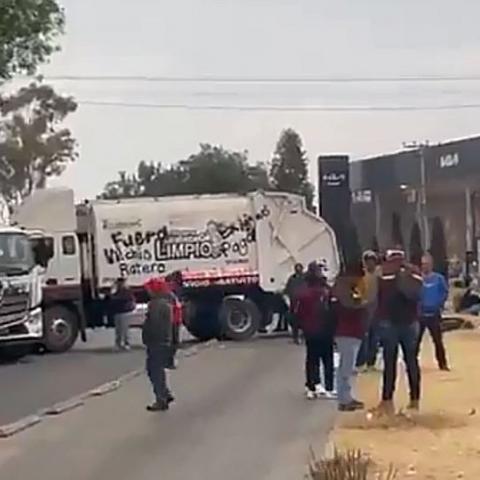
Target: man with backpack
{"type": "Point", "coordinates": [399, 296]}
{"type": "Point", "coordinates": [313, 311]}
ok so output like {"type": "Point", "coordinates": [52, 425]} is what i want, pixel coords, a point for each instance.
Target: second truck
{"type": "Point", "coordinates": [235, 253]}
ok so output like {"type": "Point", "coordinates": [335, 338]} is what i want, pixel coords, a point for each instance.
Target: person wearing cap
{"type": "Point", "coordinates": [399, 295]}
{"type": "Point", "coordinates": [367, 355]}
{"type": "Point", "coordinates": [313, 312]}
{"type": "Point", "coordinates": [157, 338]}
{"type": "Point", "coordinates": [350, 308]}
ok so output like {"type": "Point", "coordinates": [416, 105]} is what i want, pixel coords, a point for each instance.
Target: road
{"type": "Point", "coordinates": [39, 381]}
{"type": "Point", "coordinates": [240, 414]}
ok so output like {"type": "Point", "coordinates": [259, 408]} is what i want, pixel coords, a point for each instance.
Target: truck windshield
{"type": "Point", "coordinates": [16, 254]}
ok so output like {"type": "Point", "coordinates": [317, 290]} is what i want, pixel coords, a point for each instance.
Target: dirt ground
{"type": "Point", "coordinates": [440, 442]}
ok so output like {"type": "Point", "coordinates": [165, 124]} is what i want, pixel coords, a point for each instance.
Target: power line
{"type": "Point", "coordinates": [282, 108]}
{"type": "Point", "coordinates": [263, 80]}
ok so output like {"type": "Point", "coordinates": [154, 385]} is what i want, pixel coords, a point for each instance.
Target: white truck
{"type": "Point", "coordinates": [235, 253]}
{"type": "Point", "coordinates": [22, 258]}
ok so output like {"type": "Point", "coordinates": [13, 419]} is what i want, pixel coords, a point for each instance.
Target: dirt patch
{"type": "Point", "coordinates": [440, 442]}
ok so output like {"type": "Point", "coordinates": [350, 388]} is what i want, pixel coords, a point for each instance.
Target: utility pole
{"type": "Point", "coordinates": [422, 202]}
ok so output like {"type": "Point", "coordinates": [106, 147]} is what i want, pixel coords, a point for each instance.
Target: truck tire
{"type": "Point", "coordinates": [201, 321]}
{"type": "Point", "coordinates": [60, 329]}
{"type": "Point", "coordinates": [240, 319]}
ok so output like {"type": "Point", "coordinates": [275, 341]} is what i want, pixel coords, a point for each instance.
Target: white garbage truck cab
{"type": "Point", "coordinates": [20, 290]}
{"type": "Point", "coordinates": [234, 252]}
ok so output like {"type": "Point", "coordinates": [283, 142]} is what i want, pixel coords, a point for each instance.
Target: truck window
{"type": "Point", "coordinates": [68, 245]}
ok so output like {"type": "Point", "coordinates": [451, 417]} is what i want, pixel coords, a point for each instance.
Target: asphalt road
{"type": "Point", "coordinates": [240, 414]}
{"type": "Point", "coordinates": [39, 381]}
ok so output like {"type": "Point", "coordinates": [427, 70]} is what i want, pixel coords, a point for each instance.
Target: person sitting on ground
{"type": "Point", "coordinates": [313, 311]}
{"type": "Point", "coordinates": [157, 338]}
{"type": "Point", "coordinates": [398, 307]}
{"type": "Point", "coordinates": [434, 296]}
{"type": "Point", "coordinates": [350, 308]}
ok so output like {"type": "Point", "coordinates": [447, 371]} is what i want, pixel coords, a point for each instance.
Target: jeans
{"type": "Point", "coordinates": [406, 337]}
{"type": "Point", "coordinates": [319, 349]}
{"type": "Point", "coordinates": [122, 338]}
{"type": "Point", "coordinates": [434, 327]}
{"type": "Point", "coordinates": [367, 354]}
{"type": "Point", "coordinates": [155, 366]}
{"type": "Point", "coordinates": [348, 350]}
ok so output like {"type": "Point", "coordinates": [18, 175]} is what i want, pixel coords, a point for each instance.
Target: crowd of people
{"type": "Point", "coordinates": [383, 304]}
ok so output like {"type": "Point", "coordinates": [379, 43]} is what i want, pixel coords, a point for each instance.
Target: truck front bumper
{"type": "Point", "coordinates": [29, 331]}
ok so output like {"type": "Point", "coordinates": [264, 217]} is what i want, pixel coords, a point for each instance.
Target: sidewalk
{"type": "Point", "coordinates": [443, 440]}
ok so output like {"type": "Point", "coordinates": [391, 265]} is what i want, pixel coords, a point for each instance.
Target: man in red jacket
{"type": "Point", "coordinates": [312, 309]}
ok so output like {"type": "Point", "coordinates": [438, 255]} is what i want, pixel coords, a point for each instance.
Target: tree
{"type": "Point", "coordinates": [211, 170]}
{"type": "Point", "coordinates": [28, 29]}
{"type": "Point", "coordinates": [397, 236]}
{"type": "Point", "coordinates": [415, 247]}
{"type": "Point", "coordinates": [289, 169]}
{"type": "Point", "coordinates": [33, 143]}
{"type": "Point", "coordinates": [438, 248]}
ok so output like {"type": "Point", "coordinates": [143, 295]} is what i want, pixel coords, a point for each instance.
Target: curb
{"type": "Point", "coordinates": [11, 429]}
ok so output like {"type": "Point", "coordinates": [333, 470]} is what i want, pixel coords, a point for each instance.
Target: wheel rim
{"type": "Point", "coordinates": [239, 321]}
{"type": "Point", "coordinates": [60, 331]}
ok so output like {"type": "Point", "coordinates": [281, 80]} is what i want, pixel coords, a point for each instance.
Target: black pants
{"type": "Point", "coordinates": [156, 363]}
{"type": "Point", "coordinates": [406, 337]}
{"type": "Point", "coordinates": [319, 349]}
{"type": "Point", "coordinates": [433, 325]}
{"type": "Point", "coordinates": [367, 355]}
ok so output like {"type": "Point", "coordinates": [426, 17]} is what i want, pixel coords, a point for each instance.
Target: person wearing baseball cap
{"type": "Point", "coordinates": [399, 297]}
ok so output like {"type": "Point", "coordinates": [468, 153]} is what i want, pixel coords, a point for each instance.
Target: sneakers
{"type": "Point", "coordinates": [310, 395]}
{"type": "Point", "coordinates": [320, 392]}
{"type": "Point", "coordinates": [158, 407]}
{"type": "Point", "coordinates": [414, 405]}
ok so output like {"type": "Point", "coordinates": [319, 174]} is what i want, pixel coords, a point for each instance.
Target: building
{"type": "Point", "coordinates": [426, 185]}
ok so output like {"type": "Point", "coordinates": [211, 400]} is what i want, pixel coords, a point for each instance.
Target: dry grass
{"type": "Point", "coordinates": [348, 465]}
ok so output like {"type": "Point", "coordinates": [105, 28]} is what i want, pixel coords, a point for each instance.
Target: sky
{"type": "Point", "coordinates": [261, 38]}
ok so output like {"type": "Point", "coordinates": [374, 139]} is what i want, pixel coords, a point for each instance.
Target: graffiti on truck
{"type": "Point", "coordinates": [146, 252]}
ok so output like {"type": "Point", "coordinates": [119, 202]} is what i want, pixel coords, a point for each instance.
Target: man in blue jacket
{"type": "Point", "coordinates": [434, 296]}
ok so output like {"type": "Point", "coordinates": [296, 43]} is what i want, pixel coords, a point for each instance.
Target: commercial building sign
{"type": "Point", "coordinates": [450, 160]}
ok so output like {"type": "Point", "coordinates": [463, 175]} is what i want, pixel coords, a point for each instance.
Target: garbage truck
{"type": "Point", "coordinates": [234, 252]}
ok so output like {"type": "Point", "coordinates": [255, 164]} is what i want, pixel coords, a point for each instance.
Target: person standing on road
{"type": "Point", "coordinates": [367, 355]}
{"type": "Point", "coordinates": [398, 307]}
{"type": "Point", "coordinates": [434, 296]}
{"type": "Point", "coordinates": [157, 338]}
{"type": "Point", "coordinates": [122, 304]}
{"type": "Point", "coordinates": [294, 284]}
{"type": "Point", "coordinates": [175, 282]}
{"type": "Point", "coordinates": [315, 318]}
{"type": "Point", "coordinates": [350, 307]}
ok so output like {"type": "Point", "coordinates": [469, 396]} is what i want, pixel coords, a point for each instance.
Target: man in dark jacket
{"type": "Point", "coordinates": [157, 337]}
{"type": "Point", "coordinates": [295, 282]}
{"type": "Point", "coordinates": [398, 304]}
{"type": "Point", "coordinates": [122, 304]}
{"type": "Point", "coordinates": [312, 309]}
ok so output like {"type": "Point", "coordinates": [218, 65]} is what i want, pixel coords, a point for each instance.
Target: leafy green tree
{"type": "Point", "coordinates": [289, 169]}
{"type": "Point", "coordinates": [34, 145]}
{"type": "Point", "coordinates": [416, 250]}
{"type": "Point", "coordinates": [28, 29]}
{"type": "Point", "coordinates": [211, 170]}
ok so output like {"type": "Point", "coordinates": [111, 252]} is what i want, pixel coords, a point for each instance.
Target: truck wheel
{"type": "Point", "coordinates": [61, 329]}
{"type": "Point", "coordinates": [201, 321]}
{"type": "Point", "coordinates": [240, 318]}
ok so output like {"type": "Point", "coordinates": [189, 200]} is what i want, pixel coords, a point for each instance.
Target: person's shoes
{"type": "Point", "coordinates": [386, 407]}
{"type": "Point", "coordinates": [126, 348]}
{"type": "Point", "coordinates": [347, 407]}
{"type": "Point", "coordinates": [358, 405]}
{"type": "Point", "coordinates": [311, 395]}
{"type": "Point", "coordinates": [320, 390]}
{"type": "Point", "coordinates": [331, 395]}
{"type": "Point", "coordinates": [445, 368]}
{"type": "Point", "coordinates": [170, 398]}
{"type": "Point", "coordinates": [158, 407]}
{"type": "Point", "coordinates": [414, 405]}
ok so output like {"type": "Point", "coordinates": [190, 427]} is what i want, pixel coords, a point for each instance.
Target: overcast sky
{"type": "Point", "coordinates": [262, 38]}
